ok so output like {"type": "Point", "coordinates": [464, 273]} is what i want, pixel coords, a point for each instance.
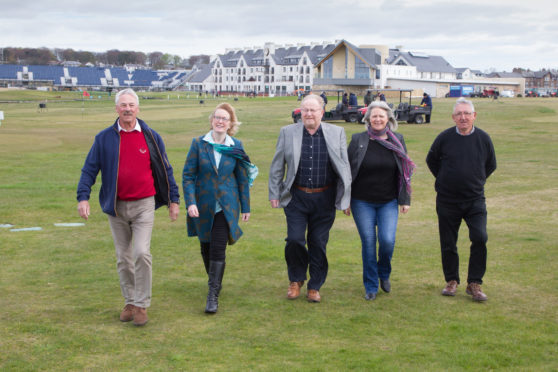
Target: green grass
{"type": "Point", "coordinates": [59, 293]}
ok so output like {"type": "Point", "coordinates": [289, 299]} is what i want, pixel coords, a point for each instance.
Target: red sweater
{"type": "Point", "coordinates": [135, 180]}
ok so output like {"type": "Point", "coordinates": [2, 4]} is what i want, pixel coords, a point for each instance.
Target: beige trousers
{"type": "Point", "coordinates": [131, 232]}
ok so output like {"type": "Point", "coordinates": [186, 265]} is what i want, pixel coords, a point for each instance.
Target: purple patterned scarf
{"type": "Point", "coordinates": [395, 146]}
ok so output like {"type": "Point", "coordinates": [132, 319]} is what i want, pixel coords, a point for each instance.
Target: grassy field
{"type": "Point", "coordinates": [59, 293]}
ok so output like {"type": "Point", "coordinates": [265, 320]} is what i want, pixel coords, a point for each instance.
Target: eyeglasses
{"type": "Point", "coordinates": [465, 113]}
{"type": "Point", "coordinates": [309, 111]}
{"type": "Point", "coordinates": [221, 118]}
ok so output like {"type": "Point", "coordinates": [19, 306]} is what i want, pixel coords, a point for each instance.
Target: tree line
{"type": "Point", "coordinates": [113, 57]}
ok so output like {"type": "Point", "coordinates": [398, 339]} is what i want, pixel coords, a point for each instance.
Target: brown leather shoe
{"type": "Point", "coordinates": [294, 290]}
{"type": "Point", "coordinates": [451, 288]}
{"type": "Point", "coordinates": [140, 316]}
{"type": "Point", "coordinates": [313, 296]}
{"type": "Point", "coordinates": [127, 313]}
{"type": "Point", "coordinates": [474, 289]}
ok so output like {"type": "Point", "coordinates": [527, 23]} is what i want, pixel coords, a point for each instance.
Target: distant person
{"type": "Point", "coordinates": [216, 181]}
{"type": "Point", "coordinates": [353, 101]}
{"type": "Point", "coordinates": [382, 97]}
{"type": "Point", "coordinates": [345, 100]}
{"type": "Point", "coordinates": [427, 101]}
{"type": "Point", "coordinates": [381, 171]}
{"type": "Point", "coordinates": [137, 178]}
{"type": "Point", "coordinates": [368, 98]}
{"type": "Point", "coordinates": [309, 178]}
{"type": "Point", "coordinates": [462, 158]}
{"type": "Point", "coordinates": [324, 97]}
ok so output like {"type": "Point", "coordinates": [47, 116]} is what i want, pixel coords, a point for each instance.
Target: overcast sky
{"type": "Point", "coordinates": [480, 34]}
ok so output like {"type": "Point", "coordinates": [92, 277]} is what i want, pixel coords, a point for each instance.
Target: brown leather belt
{"type": "Point", "coordinates": [312, 191]}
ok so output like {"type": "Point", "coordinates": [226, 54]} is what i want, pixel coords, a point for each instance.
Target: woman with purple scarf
{"type": "Point", "coordinates": [381, 172]}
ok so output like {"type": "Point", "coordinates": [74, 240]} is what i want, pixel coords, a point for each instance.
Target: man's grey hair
{"type": "Point", "coordinates": [391, 124]}
{"type": "Point", "coordinates": [315, 97]}
{"type": "Point", "coordinates": [464, 101]}
{"type": "Point", "coordinates": [128, 91]}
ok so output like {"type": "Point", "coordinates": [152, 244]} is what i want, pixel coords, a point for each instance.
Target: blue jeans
{"type": "Point", "coordinates": [368, 217]}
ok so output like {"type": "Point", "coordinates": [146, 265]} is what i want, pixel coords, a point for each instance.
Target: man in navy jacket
{"type": "Point", "coordinates": [136, 178]}
{"type": "Point", "coordinates": [426, 100]}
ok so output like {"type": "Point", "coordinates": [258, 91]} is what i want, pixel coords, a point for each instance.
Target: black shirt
{"type": "Point", "coordinates": [377, 178]}
{"type": "Point", "coordinates": [461, 164]}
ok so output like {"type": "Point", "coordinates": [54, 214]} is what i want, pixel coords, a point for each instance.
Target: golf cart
{"type": "Point", "coordinates": [349, 114]}
{"type": "Point", "coordinates": [405, 111]}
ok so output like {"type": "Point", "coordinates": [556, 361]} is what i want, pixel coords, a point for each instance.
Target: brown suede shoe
{"type": "Point", "coordinates": [451, 288]}
{"type": "Point", "coordinates": [140, 316]}
{"type": "Point", "coordinates": [127, 313]}
{"type": "Point", "coordinates": [474, 289]}
{"type": "Point", "coordinates": [294, 290]}
{"type": "Point", "coordinates": [313, 296]}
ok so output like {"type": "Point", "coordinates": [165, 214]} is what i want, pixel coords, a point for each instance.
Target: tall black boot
{"type": "Point", "coordinates": [216, 270]}
{"type": "Point", "coordinates": [205, 255]}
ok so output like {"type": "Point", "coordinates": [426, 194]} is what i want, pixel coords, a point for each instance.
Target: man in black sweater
{"type": "Point", "coordinates": [462, 158]}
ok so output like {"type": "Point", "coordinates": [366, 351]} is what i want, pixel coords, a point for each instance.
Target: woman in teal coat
{"type": "Point", "coordinates": [216, 181]}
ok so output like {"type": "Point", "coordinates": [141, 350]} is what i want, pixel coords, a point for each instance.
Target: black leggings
{"type": "Point", "coordinates": [219, 238]}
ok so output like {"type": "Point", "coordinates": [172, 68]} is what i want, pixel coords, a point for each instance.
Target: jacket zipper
{"type": "Point", "coordinates": [117, 171]}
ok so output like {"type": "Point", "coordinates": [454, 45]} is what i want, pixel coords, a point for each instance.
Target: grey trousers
{"type": "Point", "coordinates": [131, 232]}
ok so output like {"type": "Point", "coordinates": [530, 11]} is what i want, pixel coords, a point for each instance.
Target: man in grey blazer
{"type": "Point", "coordinates": [309, 178]}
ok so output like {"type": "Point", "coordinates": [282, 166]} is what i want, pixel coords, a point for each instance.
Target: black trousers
{"type": "Point", "coordinates": [449, 220]}
{"type": "Point", "coordinates": [315, 213]}
{"type": "Point", "coordinates": [219, 237]}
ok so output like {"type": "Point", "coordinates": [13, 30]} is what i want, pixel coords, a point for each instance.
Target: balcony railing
{"type": "Point", "coordinates": [321, 81]}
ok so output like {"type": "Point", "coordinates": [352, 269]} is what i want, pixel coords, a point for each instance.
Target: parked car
{"type": "Point", "coordinates": [485, 93]}
{"type": "Point", "coordinates": [507, 93]}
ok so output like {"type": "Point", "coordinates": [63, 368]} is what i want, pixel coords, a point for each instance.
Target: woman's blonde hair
{"type": "Point", "coordinates": [234, 123]}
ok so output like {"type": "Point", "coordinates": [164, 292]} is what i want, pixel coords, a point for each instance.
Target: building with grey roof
{"type": "Point", "coordinates": [271, 69]}
{"type": "Point", "coordinates": [285, 69]}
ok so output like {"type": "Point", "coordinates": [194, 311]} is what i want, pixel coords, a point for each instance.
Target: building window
{"type": "Point", "coordinates": [328, 68]}
{"type": "Point", "coordinates": [361, 69]}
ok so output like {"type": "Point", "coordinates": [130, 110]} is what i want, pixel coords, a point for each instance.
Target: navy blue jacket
{"type": "Point", "coordinates": [104, 157]}
{"type": "Point", "coordinates": [427, 101]}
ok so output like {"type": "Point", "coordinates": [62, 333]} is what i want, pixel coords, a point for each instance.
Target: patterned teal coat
{"type": "Point", "coordinates": [204, 184]}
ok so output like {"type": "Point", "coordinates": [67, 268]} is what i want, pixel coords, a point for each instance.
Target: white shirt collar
{"type": "Point", "coordinates": [209, 138]}
{"type": "Point", "coordinates": [465, 135]}
{"type": "Point", "coordinates": [137, 127]}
